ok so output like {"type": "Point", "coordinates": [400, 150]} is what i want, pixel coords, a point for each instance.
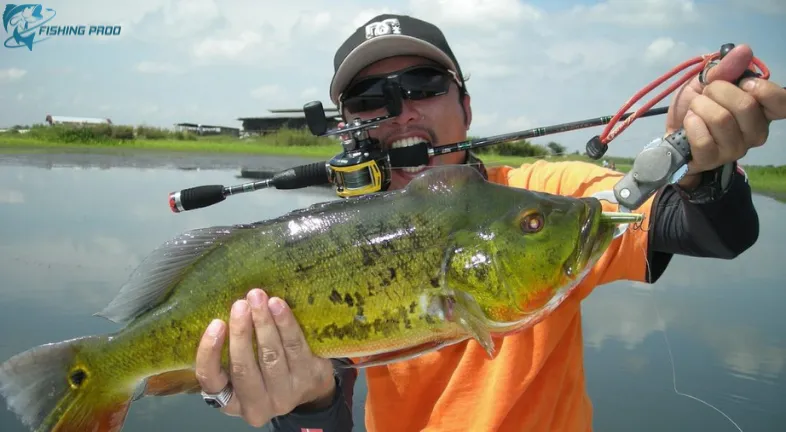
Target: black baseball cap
{"type": "Point", "coordinates": [389, 35]}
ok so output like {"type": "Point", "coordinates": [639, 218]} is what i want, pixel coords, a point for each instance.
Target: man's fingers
{"type": "Point", "coordinates": [272, 358]}
{"type": "Point", "coordinates": [702, 144]}
{"type": "Point", "coordinates": [771, 96]}
{"type": "Point", "coordinates": [746, 111]}
{"type": "Point", "coordinates": [731, 67]}
{"type": "Point", "coordinates": [309, 374]}
{"type": "Point", "coordinates": [292, 338]}
{"type": "Point", "coordinates": [725, 141]}
{"type": "Point", "coordinates": [243, 368]}
{"type": "Point", "coordinates": [211, 377]}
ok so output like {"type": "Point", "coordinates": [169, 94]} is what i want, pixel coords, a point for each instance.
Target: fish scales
{"type": "Point", "coordinates": [365, 297]}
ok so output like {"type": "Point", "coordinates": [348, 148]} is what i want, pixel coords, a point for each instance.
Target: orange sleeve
{"type": "Point", "coordinates": [626, 257]}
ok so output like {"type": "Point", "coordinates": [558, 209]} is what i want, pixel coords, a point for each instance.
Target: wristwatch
{"type": "Point", "coordinates": [712, 186]}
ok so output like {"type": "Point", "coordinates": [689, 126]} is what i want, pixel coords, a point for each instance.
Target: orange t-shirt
{"type": "Point", "coordinates": [536, 383]}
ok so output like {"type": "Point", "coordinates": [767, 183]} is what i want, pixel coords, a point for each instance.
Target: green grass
{"type": "Point", "coordinates": [766, 180]}
{"type": "Point", "coordinates": [104, 137]}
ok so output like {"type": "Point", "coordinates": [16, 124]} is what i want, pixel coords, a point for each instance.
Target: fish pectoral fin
{"type": "Point", "coordinates": [467, 313]}
{"type": "Point", "coordinates": [151, 283]}
{"type": "Point", "coordinates": [171, 383]}
{"type": "Point", "coordinates": [401, 355]}
{"type": "Point", "coordinates": [463, 308]}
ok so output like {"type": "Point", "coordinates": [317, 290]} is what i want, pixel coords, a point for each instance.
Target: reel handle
{"type": "Point", "coordinates": [315, 118]}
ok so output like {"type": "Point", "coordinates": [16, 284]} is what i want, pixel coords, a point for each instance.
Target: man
{"type": "Point", "coordinates": [536, 383]}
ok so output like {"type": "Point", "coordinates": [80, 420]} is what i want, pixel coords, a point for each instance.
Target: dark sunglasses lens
{"type": "Point", "coordinates": [424, 83]}
{"type": "Point", "coordinates": [366, 87]}
{"type": "Point", "coordinates": [418, 83]}
{"type": "Point", "coordinates": [364, 103]}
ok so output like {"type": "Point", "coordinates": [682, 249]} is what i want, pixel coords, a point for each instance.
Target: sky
{"type": "Point", "coordinates": [531, 64]}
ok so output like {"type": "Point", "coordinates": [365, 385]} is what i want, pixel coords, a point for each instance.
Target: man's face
{"type": "Point", "coordinates": [439, 120]}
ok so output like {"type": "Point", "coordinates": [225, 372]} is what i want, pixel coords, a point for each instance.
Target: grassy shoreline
{"type": "Point", "coordinates": [765, 180]}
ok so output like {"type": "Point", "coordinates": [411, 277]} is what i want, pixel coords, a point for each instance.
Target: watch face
{"type": "Point", "coordinates": [679, 174]}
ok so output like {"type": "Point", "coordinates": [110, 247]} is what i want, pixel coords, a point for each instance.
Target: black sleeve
{"type": "Point", "coordinates": [335, 418]}
{"type": "Point", "coordinates": [723, 228]}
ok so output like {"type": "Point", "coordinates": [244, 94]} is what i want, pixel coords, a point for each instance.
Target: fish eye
{"type": "Point", "coordinates": [531, 222]}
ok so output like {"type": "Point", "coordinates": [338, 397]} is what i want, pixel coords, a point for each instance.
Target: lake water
{"type": "Point", "coordinates": [70, 235]}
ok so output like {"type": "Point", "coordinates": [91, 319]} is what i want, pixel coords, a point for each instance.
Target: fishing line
{"type": "Point", "coordinates": [662, 324]}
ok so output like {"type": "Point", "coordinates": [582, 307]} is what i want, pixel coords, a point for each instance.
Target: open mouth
{"type": "Point", "coordinates": [407, 142]}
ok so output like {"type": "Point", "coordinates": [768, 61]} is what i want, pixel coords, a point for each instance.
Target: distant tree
{"type": "Point", "coordinates": [556, 149]}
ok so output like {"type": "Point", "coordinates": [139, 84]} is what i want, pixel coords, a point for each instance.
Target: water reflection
{"type": "Point", "coordinates": [71, 236]}
{"type": "Point", "coordinates": [722, 321]}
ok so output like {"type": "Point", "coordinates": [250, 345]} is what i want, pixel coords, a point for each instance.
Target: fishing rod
{"type": "Point", "coordinates": [364, 167]}
{"type": "Point", "coordinates": [358, 171]}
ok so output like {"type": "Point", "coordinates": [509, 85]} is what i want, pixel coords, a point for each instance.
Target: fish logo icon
{"type": "Point", "coordinates": [21, 23]}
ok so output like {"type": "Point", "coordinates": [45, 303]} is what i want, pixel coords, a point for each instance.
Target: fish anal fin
{"type": "Point", "coordinates": [110, 419]}
{"type": "Point", "coordinates": [152, 281]}
{"type": "Point", "coordinates": [171, 383]}
{"type": "Point", "coordinates": [400, 355]}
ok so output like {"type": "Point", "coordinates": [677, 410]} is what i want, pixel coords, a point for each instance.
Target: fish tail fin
{"type": "Point", "coordinates": [52, 388]}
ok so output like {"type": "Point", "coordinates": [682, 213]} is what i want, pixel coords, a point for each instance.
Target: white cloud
{"type": "Point", "coordinates": [268, 92]}
{"type": "Point", "coordinates": [486, 14]}
{"type": "Point", "coordinates": [641, 13]}
{"type": "Point", "coordinates": [12, 74]}
{"type": "Point", "coordinates": [520, 122]}
{"type": "Point", "coordinates": [365, 15]}
{"type": "Point", "coordinates": [151, 67]}
{"type": "Point", "coordinates": [309, 93]}
{"type": "Point", "coordinates": [770, 7]}
{"type": "Point", "coordinates": [669, 53]}
{"type": "Point", "coordinates": [232, 47]}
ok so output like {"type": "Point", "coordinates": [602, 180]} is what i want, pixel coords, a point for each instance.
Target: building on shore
{"type": "Point", "coordinates": [200, 129]}
{"type": "Point", "coordinates": [290, 118]}
{"type": "Point", "coordinates": [53, 120]}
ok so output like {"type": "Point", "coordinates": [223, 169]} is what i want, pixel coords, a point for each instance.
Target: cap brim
{"type": "Point", "coordinates": [379, 48]}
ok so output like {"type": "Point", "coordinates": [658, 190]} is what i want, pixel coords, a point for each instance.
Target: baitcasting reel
{"type": "Point", "coordinates": [363, 167]}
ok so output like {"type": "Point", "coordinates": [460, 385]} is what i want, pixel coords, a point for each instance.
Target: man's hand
{"type": "Point", "coordinates": [724, 121]}
{"type": "Point", "coordinates": [271, 381]}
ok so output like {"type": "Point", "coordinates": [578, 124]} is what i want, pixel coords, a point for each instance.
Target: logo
{"type": "Point", "coordinates": [384, 27]}
{"type": "Point", "coordinates": [26, 25]}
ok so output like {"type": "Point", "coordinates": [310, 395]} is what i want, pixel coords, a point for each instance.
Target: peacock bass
{"type": "Point", "coordinates": [380, 278]}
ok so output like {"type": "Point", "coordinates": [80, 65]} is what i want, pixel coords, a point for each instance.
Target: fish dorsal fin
{"type": "Point", "coordinates": [152, 281]}
{"type": "Point", "coordinates": [445, 179]}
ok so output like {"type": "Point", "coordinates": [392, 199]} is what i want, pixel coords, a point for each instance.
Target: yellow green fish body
{"type": "Point", "coordinates": [380, 278]}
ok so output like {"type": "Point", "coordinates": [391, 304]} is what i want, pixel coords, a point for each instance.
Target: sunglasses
{"type": "Point", "coordinates": [415, 83]}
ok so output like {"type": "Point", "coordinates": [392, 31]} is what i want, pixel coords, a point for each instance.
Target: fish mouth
{"type": "Point", "coordinates": [588, 240]}
{"type": "Point", "coordinates": [596, 232]}
{"type": "Point", "coordinates": [594, 235]}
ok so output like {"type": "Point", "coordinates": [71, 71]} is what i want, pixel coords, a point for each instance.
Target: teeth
{"type": "Point", "coordinates": [407, 142]}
